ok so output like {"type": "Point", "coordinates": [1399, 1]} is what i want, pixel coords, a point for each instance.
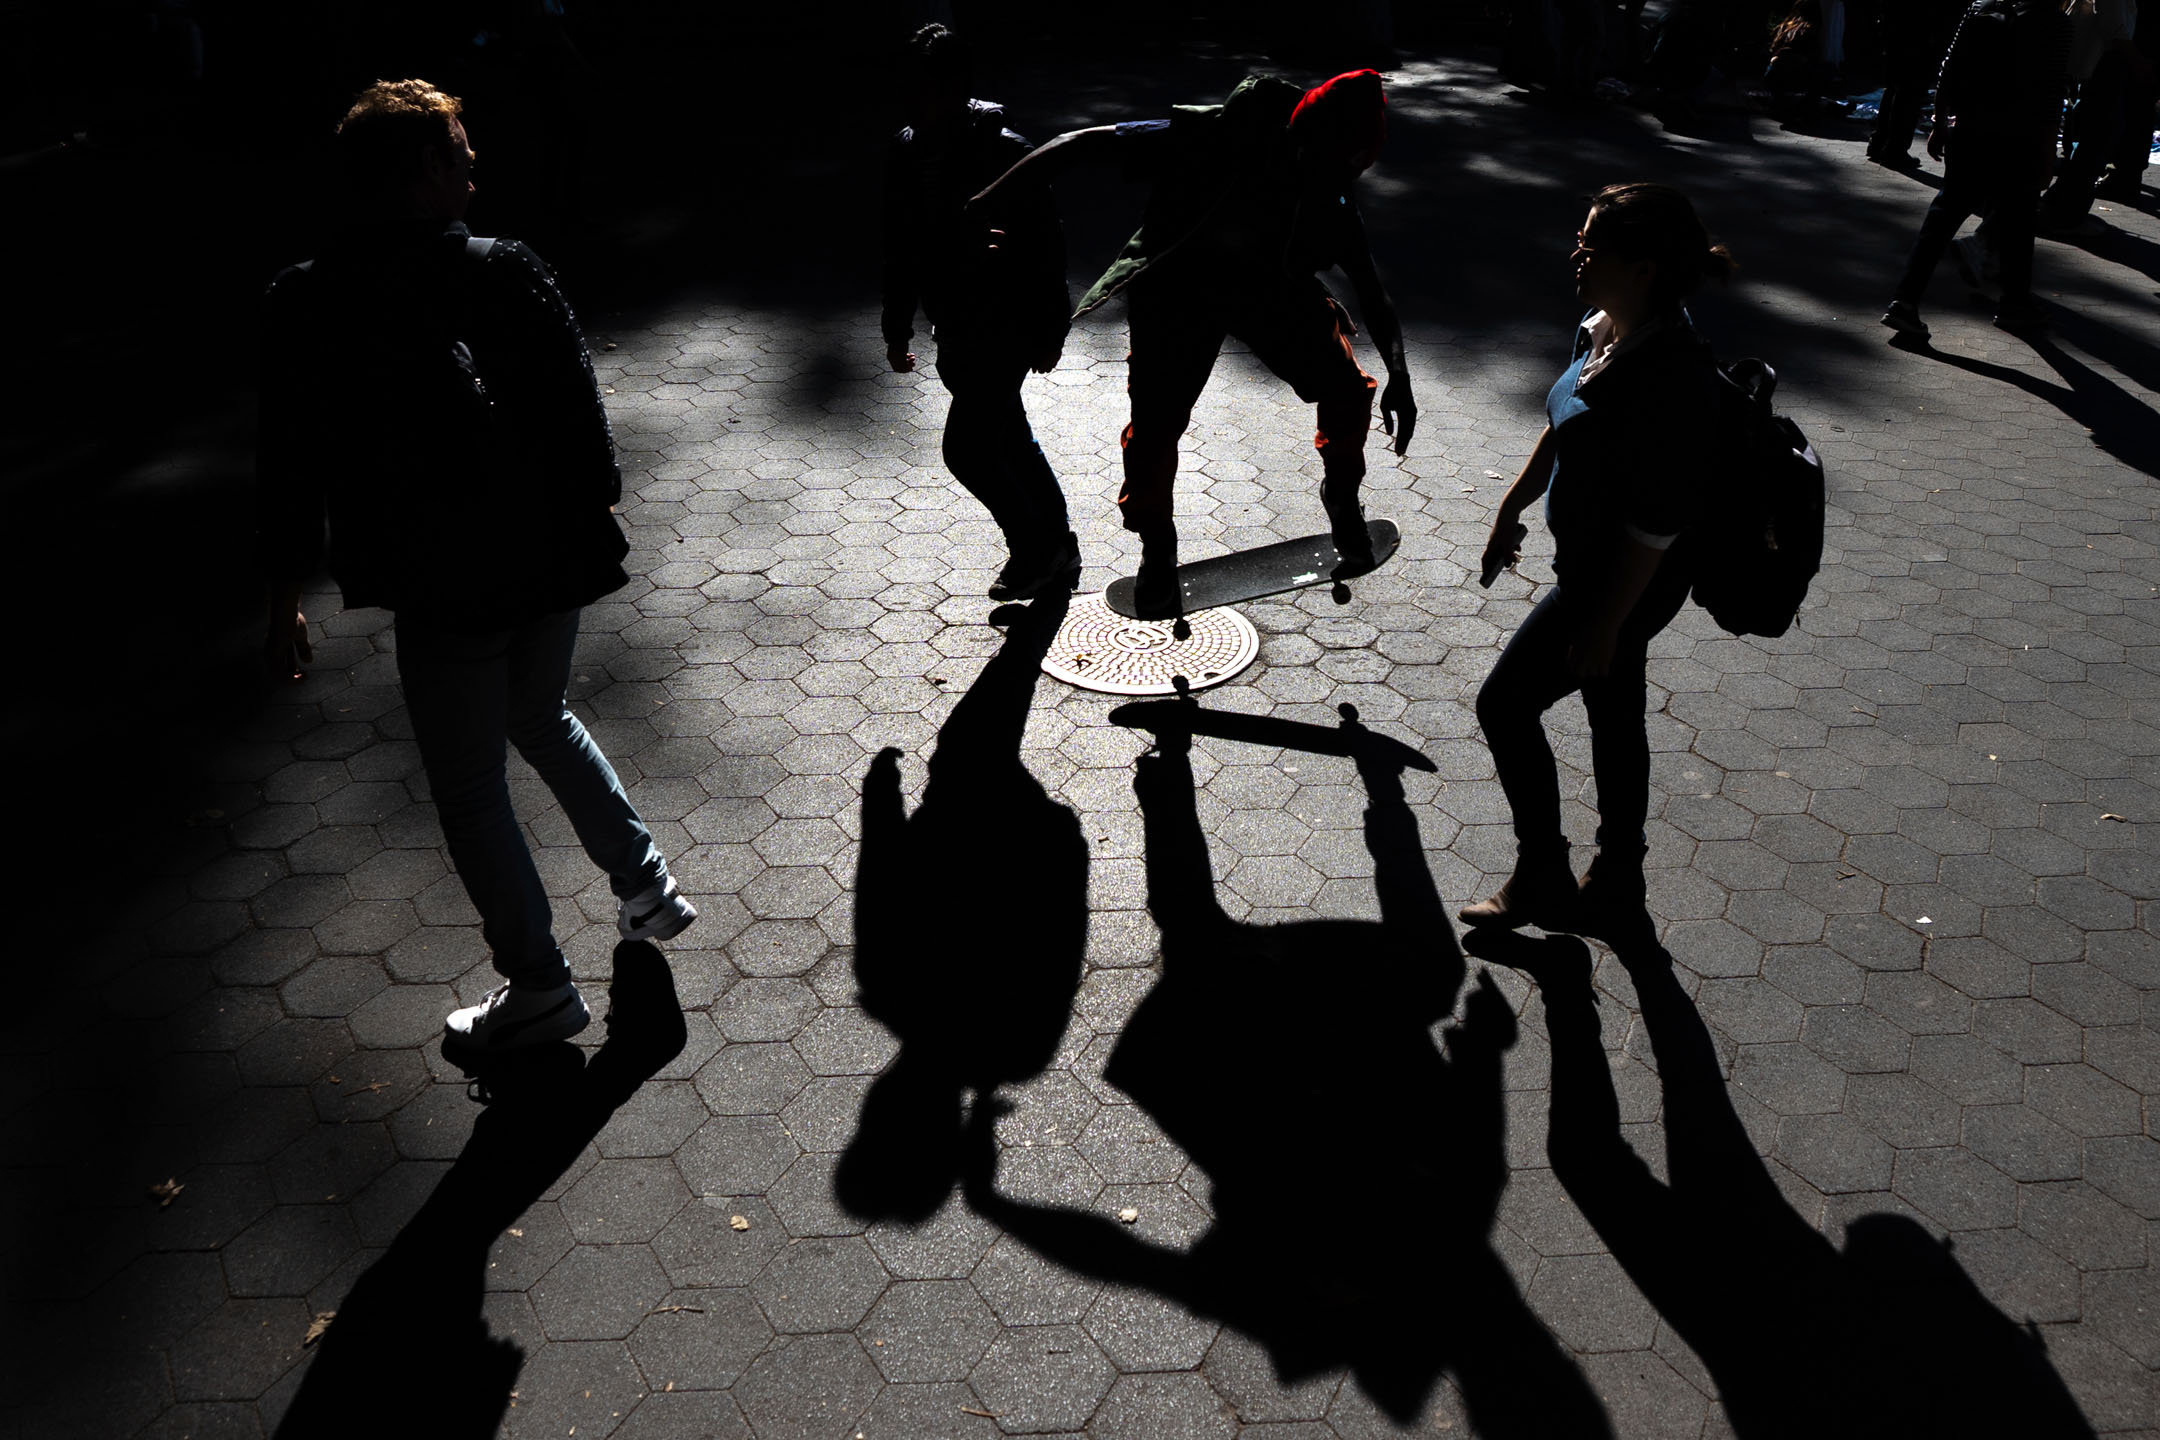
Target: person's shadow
{"type": "Point", "coordinates": [1356, 1168]}
{"type": "Point", "coordinates": [408, 1346]}
{"type": "Point", "coordinates": [1887, 1338]}
{"type": "Point", "coordinates": [2121, 424]}
{"type": "Point", "coordinates": [970, 927]}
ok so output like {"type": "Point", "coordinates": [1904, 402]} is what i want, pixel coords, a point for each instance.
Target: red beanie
{"type": "Point", "coordinates": [1347, 114]}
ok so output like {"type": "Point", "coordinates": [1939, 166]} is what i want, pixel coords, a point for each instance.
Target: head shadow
{"type": "Point", "coordinates": [970, 924]}
{"type": "Point", "coordinates": [1353, 1157]}
{"type": "Point", "coordinates": [1888, 1337]}
{"type": "Point", "coordinates": [410, 1336]}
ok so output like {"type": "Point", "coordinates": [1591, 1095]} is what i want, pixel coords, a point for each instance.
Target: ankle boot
{"type": "Point", "coordinates": [1156, 593]}
{"type": "Point", "coordinates": [1541, 892]}
{"type": "Point", "coordinates": [1613, 894]}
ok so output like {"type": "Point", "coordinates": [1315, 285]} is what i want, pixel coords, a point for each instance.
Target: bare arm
{"type": "Point", "coordinates": [1398, 409]}
{"type": "Point", "coordinates": [1047, 161]}
{"type": "Point", "coordinates": [1504, 547]}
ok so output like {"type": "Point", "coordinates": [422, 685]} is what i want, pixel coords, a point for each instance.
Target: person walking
{"type": "Point", "coordinates": [1251, 199]}
{"type": "Point", "coordinates": [1621, 464]}
{"type": "Point", "coordinates": [430, 396]}
{"type": "Point", "coordinates": [993, 285]}
{"type": "Point", "coordinates": [1914, 34]}
{"type": "Point", "coordinates": [1998, 107]}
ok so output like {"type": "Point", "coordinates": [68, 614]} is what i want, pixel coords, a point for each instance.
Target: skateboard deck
{"type": "Point", "coordinates": [1269, 570]}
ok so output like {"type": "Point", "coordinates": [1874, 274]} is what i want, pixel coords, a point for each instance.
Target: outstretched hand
{"type": "Point", "coordinates": [1398, 411]}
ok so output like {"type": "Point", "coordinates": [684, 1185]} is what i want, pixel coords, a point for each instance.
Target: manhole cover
{"type": "Point", "coordinates": [1099, 649]}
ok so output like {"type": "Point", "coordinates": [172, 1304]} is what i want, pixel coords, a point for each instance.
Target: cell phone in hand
{"type": "Point", "coordinates": [1491, 572]}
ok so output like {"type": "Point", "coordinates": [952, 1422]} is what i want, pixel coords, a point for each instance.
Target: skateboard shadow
{"type": "Point", "coordinates": [970, 924]}
{"type": "Point", "coordinates": [409, 1339]}
{"type": "Point", "coordinates": [1356, 1162]}
{"type": "Point", "coordinates": [1887, 1338]}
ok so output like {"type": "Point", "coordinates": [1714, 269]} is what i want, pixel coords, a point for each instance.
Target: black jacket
{"type": "Point", "coordinates": [942, 259]}
{"type": "Point", "coordinates": [437, 407]}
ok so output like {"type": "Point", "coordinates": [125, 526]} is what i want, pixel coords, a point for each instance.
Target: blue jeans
{"type": "Point", "coordinates": [467, 693]}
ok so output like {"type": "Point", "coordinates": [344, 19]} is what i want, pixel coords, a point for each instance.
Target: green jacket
{"type": "Point", "coordinates": [1216, 150]}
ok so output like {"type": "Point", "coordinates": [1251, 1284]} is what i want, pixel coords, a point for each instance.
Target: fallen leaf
{"type": "Point", "coordinates": [378, 1085]}
{"type": "Point", "coordinates": [335, 1081]}
{"type": "Point", "coordinates": [971, 1410]}
{"type": "Point", "coordinates": [2111, 815]}
{"type": "Point", "coordinates": [669, 1386]}
{"type": "Point", "coordinates": [520, 1234]}
{"type": "Point", "coordinates": [610, 345]}
{"type": "Point", "coordinates": [320, 1323]}
{"type": "Point", "coordinates": [165, 1192]}
{"type": "Point", "coordinates": [738, 1222]}
{"type": "Point", "coordinates": [1494, 475]}
{"type": "Point", "coordinates": [1128, 1215]}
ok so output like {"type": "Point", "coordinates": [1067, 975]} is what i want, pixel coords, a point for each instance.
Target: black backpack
{"type": "Point", "coordinates": [1759, 539]}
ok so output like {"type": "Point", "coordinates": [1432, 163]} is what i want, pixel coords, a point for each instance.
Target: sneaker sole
{"type": "Point", "coordinates": [538, 1029]}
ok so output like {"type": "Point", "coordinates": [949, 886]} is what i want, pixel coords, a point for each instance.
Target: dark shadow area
{"type": "Point", "coordinates": [409, 1338]}
{"type": "Point", "coordinates": [1276, 1054]}
{"type": "Point", "coordinates": [970, 924]}
{"type": "Point", "coordinates": [2121, 424]}
{"type": "Point", "coordinates": [1887, 1338]}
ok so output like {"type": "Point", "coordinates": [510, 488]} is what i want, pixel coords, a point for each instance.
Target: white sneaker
{"type": "Point", "coordinates": [656, 913]}
{"type": "Point", "coordinates": [514, 1016]}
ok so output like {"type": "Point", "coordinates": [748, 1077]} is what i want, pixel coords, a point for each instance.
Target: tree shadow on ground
{"type": "Point", "coordinates": [1888, 1338]}
{"type": "Point", "coordinates": [2121, 424]}
{"type": "Point", "coordinates": [409, 1339]}
{"type": "Point", "coordinates": [1274, 1054]}
{"type": "Point", "coordinates": [970, 923]}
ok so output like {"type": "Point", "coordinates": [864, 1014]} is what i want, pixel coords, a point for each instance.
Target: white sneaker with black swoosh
{"type": "Point", "coordinates": [512, 1017]}
{"type": "Point", "coordinates": [658, 912]}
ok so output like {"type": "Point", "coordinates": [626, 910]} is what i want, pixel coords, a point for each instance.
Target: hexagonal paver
{"type": "Point", "coordinates": [1043, 1378]}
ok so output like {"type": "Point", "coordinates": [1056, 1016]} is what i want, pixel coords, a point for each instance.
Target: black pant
{"type": "Point", "coordinates": [1982, 175]}
{"type": "Point", "coordinates": [2095, 128]}
{"type": "Point", "coordinates": [990, 448]}
{"type": "Point", "coordinates": [1532, 674]}
{"type": "Point", "coordinates": [1911, 56]}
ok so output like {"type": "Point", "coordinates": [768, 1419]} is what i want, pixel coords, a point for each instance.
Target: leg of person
{"type": "Point", "coordinates": [973, 446]}
{"type": "Point", "coordinates": [1045, 552]}
{"type": "Point", "coordinates": [1612, 892]}
{"type": "Point", "coordinates": [1531, 674]}
{"type": "Point", "coordinates": [1175, 337]}
{"type": "Point", "coordinates": [1300, 333]}
{"type": "Point", "coordinates": [555, 743]}
{"type": "Point", "coordinates": [1948, 211]}
{"type": "Point", "coordinates": [2015, 215]}
{"type": "Point", "coordinates": [2094, 123]}
{"type": "Point", "coordinates": [457, 694]}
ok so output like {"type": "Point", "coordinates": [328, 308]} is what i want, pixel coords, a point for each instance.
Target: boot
{"type": "Point", "coordinates": [1541, 892]}
{"type": "Point", "coordinates": [1346, 521]}
{"type": "Point", "coordinates": [1612, 900]}
{"type": "Point", "coordinates": [1156, 594]}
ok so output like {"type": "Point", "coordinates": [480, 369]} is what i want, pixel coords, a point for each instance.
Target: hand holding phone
{"type": "Point", "coordinates": [1502, 550]}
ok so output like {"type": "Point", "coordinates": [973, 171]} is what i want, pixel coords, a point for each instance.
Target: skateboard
{"type": "Point", "coordinates": [1251, 574]}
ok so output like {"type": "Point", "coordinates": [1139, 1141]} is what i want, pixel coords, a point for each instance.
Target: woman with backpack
{"type": "Point", "coordinates": [1624, 457]}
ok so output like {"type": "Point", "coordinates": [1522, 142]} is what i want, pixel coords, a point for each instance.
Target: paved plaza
{"type": "Point", "coordinates": [940, 1148]}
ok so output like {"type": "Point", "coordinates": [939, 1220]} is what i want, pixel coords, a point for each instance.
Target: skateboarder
{"type": "Point", "coordinates": [1252, 198]}
{"type": "Point", "coordinates": [993, 285]}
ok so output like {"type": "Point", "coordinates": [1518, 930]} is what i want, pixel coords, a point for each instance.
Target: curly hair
{"type": "Point", "coordinates": [390, 127]}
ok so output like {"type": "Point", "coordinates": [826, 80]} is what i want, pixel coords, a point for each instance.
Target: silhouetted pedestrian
{"type": "Point", "coordinates": [2104, 64]}
{"type": "Point", "coordinates": [1998, 105]}
{"type": "Point", "coordinates": [993, 284]}
{"type": "Point", "coordinates": [1622, 461]}
{"type": "Point", "coordinates": [1914, 33]}
{"type": "Point", "coordinates": [1252, 198]}
{"type": "Point", "coordinates": [430, 394]}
